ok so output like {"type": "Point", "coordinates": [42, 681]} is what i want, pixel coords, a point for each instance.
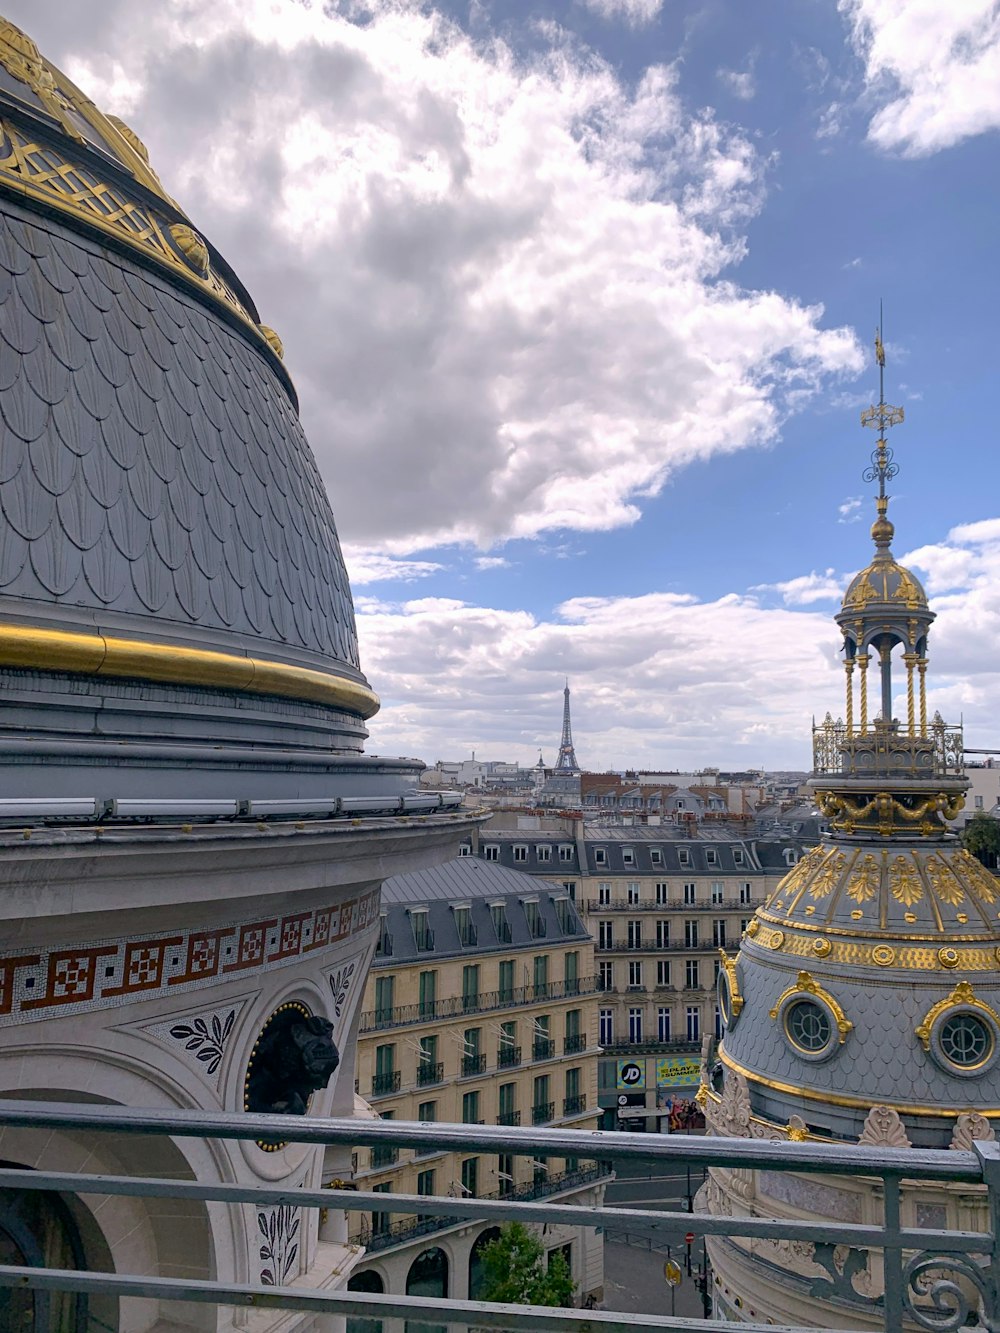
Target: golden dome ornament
{"type": "Point", "coordinates": [191, 247]}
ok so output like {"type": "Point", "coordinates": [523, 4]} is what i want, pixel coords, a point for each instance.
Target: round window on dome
{"type": "Point", "coordinates": [965, 1041]}
{"type": "Point", "coordinates": [809, 1027]}
{"type": "Point", "coordinates": [725, 999]}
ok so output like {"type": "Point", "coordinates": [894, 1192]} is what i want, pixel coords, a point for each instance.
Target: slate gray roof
{"type": "Point", "coordinates": [151, 461]}
{"type": "Point", "coordinates": [468, 880]}
{"type": "Point", "coordinates": [691, 856]}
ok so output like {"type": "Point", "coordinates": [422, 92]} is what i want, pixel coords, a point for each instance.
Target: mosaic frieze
{"type": "Point", "coordinates": [107, 973]}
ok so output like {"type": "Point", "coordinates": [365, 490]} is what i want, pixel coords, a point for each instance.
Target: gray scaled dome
{"type": "Point", "coordinates": [168, 556]}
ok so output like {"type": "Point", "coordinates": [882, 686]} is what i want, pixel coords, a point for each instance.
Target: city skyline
{"type": "Point", "coordinates": [594, 285]}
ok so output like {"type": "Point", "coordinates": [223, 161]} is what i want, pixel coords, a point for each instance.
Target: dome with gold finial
{"type": "Point", "coordinates": [870, 975]}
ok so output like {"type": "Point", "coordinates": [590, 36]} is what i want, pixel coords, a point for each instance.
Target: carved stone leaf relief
{"type": "Point", "coordinates": [884, 1128]}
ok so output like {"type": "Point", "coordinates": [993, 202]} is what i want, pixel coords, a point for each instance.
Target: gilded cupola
{"type": "Point", "coordinates": [870, 977]}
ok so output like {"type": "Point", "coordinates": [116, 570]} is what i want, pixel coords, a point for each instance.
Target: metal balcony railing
{"type": "Point", "coordinates": [457, 1006]}
{"type": "Point", "coordinates": [508, 1057]}
{"type": "Point", "coordinates": [670, 905]}
{"type": "Point", "coordinates": [429, 1072]}
{"type": "Point", "coordinates": [651, 1048]}
{"type": "Point", "coordinates": [543, 1048]}
{"type": "Point", "coordinates": [472, 1065]}
{"type": "Point", "coordinates": [509, 1118]}
{"type": "Point", "coordinates": [574, 1105]}
{"type": "Point", "coordinates": [650, 946]}
{"type": "Point", "coordinates": [887, 749]}
{"type": "Point", "coordinates": [401, 1233]}
{"type": "Point", "coordinates": [574, 1044]}
{"type": "Point", "coordinates": [542, 1113]}
{"type": "Point", "coordinates": [385, 1084]}
{"type": "Point", "coordinates": [929, 1277]}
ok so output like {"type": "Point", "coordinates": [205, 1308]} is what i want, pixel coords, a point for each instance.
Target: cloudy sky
{"type": "Point", "coordinates": [578, 296]}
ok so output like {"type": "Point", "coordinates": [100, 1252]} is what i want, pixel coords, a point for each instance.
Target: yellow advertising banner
{"type": "Point", "coordinates": [678, 1071]}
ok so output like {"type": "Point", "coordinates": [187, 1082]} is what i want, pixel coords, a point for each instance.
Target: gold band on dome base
{"type": "Point", "coordinates": [34, 649]}
{"type": "Point", "coordinates": [855, 1103]}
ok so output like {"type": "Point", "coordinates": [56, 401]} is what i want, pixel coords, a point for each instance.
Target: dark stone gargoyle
{"type": "Point", "coordinates": [292, 1062]}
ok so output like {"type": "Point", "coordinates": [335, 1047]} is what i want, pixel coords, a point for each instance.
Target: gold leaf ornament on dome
{"type": "Point", "coordinates": [904, 882]}
{"type": "Point", "coordinates": [983, 884]}
{"type": "Point", "coordinates": [825, 882]}
{"type": "Point", "coordinates": [862, 593]}
{"type": "Point", "coordinates": [191, 246]}
{"type": "Point", "coordinates": [865, 880]}
{"type": "Point", "coordinates": [22, 59]}
{"type": "Point", "coordinates": [944, 882]}
{"type": "Point", "coordinates": [273, 341]}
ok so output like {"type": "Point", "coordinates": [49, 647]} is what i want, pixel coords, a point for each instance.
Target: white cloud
{"type": "Point", "coordinates": [850, 510]}
{"type": "Point", "coordinates": [852, 263]}
{"type": "Point", "coordinates": [808, 588]}
{"type": "Point", "coordinates": [491, 562]}
{"type": "Point", "coordinates": [659, 679]}
{"type": "Point", "coordinates": [504, 282]}
{"type": "Point", "coordinates": [665, 679]}
{"type": "Point", "coordinates": [634, 12]}
{"type": "Point", "coordinates": [364, 566]}
{"type": "Point", "coordinates": [740, 82]}
{"type": "Point", "coordinates": [935, 69]}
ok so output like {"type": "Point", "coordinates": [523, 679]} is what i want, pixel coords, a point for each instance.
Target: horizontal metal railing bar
{"type": "Point", "coordinates": [638, 1221]}
{"type": "Point", "coordinates": [368, 1305]}
{"type": "Point", "coordinates": [827, 1159]}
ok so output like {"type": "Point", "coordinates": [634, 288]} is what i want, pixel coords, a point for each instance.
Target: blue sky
{"type": "Point", "coordinates": [579, 300]}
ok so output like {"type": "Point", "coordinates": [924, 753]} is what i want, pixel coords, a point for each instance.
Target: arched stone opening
{"type": "Point", "coordinates": [42, 1229]}
{"type": "Point", "coordinates": [477, 1272]}
{"type": "Point", "coordinates": [368, 1280]}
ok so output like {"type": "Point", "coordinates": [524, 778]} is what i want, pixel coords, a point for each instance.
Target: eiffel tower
{"type": "Point", "coordinates": [566, 763]}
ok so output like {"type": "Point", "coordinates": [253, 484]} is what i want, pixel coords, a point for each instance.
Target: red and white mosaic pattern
{"type": "Point", "coordinates": [108, 973]}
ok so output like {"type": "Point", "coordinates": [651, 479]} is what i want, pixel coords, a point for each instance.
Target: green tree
{"type": "Point", "coordinates": [515, 1271]}
{"type": "Point", "coordinates": [981, 837]}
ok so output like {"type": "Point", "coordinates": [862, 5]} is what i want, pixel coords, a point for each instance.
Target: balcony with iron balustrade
{"type": "Point", "coordinates": [574, 1105]}
{"type": "Point", "coordinates": [508, 1057]}
{"type": "Point", "coordinates": [575, 1043]}
{"type": "Point", "coordinates": [674, 905]}
{"type": "Point", "coordinates": [509, 1118]}
{"type": "Point", "coordinates": [429, 1072]}
{"type": "Point", "coordinates": [459, 1006]}
{"type": "Point", "coordinates": [543, 1048]}
{"type": "Point", "coordinates": [543, 1113]}
{"type": "Point", "coordinates": [384, 1085]}
{"type": "Point", "coordinates": [472, 1065]}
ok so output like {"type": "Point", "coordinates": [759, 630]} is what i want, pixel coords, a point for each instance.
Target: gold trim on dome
{"type": "Point", "coordinates": [728, 965]}
{"type": "Point", "coordinates": [30, 648]}
{"type": "Point", "coordinates": [871, 951]}
{"type": "Point", "coordinates": [37, 171]}
{"type": "Point", "coordinates": [963, 996]}
{"type": "Point", "coordinates": [853, 1103]}
{"type": "Point", "coordinates": [805, 985]}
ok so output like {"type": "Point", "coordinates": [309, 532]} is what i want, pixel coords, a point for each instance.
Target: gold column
{"type": "Point", "coordinates": [922, 669]}
{"type": "Point", "coordinates": [910, 659]}
{"type": "Point", "coordinates": [849, 671]}
{"type": "Point", "coordinates": [863, 667]}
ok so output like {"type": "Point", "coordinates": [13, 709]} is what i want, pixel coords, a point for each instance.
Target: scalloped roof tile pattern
{"type": "Point", "coordinates": [150, 462]}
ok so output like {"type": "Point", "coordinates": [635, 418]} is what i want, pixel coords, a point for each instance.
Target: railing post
{"type": "Point", "coordinates": [892, 1258]}
{"type": "Point", "coordinates": [988, 1153]}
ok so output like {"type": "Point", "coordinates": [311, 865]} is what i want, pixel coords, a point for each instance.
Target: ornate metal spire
{"type": "Point", "coordinates": [881, 416]}
{"type": "Point", "coordinates": [566, 763]}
